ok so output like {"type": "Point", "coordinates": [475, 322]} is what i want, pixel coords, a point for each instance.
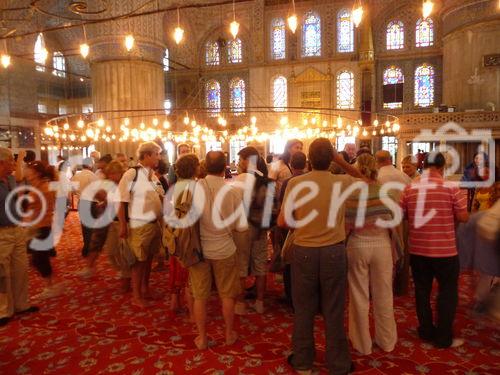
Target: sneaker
{"type": "Point", "coordinates": [86, 272]}
{"type": "Point", "coordinates": [259, 306]}
{"type": "Point", "coordinates": [240, 308]}
{"type": "Point", "coordinates": [457, 342]}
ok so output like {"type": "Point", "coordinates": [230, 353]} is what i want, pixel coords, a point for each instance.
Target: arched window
{"type": "Point", "coordinates": [311, 35]}
{"type": "Point", "coordinates": [278, 39]}
{"type": "Point", "coordinates": [212, 56]}
{"type": "Point", "coordinates": [40, 55]}
{"type": "Point", "coordinates": [234, 50]}
{"type": "Point", "coordinates": [425, 33]}
{"type": "Point", "coordinates": [345, 90]}
{"type": "Point", "coordinates": [395, 35]}
{"type": "Point", "coordinates": [237, 96]}
{"type": "Point", "coordinates": [280, 94]}
{"type": "Point", "coordinates": [345, 31]}
{"type": "Point", "coordinates": [59, 65]}
{"type": "Point", "coordinates": [393, 87]}
{"type": "Point", "coordinates": [213, 97]}
{"type": "Point", "coordinates": [166, 61]}
{"type": "Point", "coordinates": [424, 86]}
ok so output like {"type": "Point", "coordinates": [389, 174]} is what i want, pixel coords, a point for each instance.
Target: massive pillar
{"type": "Point", "coordinates": [122, 80]}
{"type": "Point", "coordinates": [469, 80]}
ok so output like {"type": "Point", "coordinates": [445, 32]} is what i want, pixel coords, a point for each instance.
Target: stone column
{"type": "Point", "coordinates": [126, 81]}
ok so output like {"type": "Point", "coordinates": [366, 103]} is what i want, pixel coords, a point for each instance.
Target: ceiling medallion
{"type": "Point", "coordinates": [81, 7]}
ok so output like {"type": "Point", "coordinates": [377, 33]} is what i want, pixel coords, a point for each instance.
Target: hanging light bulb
{"type": "Point", "coordinates": [357, 14]}
{"type": "Point", "coordinates": [84, 50]}
{"type": "Point", "coordinates": [292, 20]}
{"type": "Point", "coordinates": [100, 122]}
{"type": "Point", "coordinates": [186, 120]}
{"type": "Point", "coordinates": [155, 122]}
{"type": "Point", "coordinates": [178, 32]}
{"type": "Point", "coordinates": [339, 122]}
{"type": "Point", "coordinates": [5, 60]}
{"type": "Point", "coordinates": [129, 42]}
{"type": "Point", "coordinates": [365, 133]}
{"type": "Point", "coordinates": [427, 7]}
{"type": "Point", "coordinates": [375, 123]}
{"type": "Point", "coordinates": [80, 124]}
{"type": "Point", "coordinates": [234, 27]}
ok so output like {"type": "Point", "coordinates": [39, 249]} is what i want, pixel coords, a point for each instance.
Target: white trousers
{"type": "Point", "coordinates": [14, 271]}
{"type": "Point", "coordinates": [370, 269]}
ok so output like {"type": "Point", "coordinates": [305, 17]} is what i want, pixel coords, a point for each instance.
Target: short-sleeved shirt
{"type": "Point", "coordinates": [434, 237]}
{"type": "Point", "coordinates": [217, 243]}
{"type": "Point", "coordinates": [83, 179]}
{"type": "Point", "coordinates": [279, 171]}
{"type": "Point", "coordinates": [144, 195]}
{"type": "Point", "coordinates": [5, 189]}
{"type": "Point", "coordinates": [318, 232]}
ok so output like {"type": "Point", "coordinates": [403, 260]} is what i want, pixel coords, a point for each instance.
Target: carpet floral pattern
{"type": "Point", "coordinates": [92, 328]}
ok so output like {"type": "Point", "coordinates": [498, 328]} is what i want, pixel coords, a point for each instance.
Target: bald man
{"type": "Point", "coordinates": [386, 170]}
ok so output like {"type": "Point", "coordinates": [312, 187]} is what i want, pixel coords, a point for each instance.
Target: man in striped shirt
{"type": "Point", "coordinates": [432, 207]}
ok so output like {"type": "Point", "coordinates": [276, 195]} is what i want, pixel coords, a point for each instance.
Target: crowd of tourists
{"type": "Point", "coordinates": [333, 223]}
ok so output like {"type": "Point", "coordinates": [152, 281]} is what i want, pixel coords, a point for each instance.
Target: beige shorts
{"type": "Point", "coordinates": [254, 257]}
{"type": "Point", "coordinates": [145, 241]}
{"type": "Point", "coordinates": [225, 273]}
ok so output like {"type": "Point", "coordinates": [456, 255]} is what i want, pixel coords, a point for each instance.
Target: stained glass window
{"type": "Point", "coordinates": [345, 32]}
{"type": "Point", "coordinates": [237, 96]}
{"type": "Point", "coordinates": [166, 61]}
{"type": "Point", "coordinates": [395, 35]}
{"type": "Point", "coordinates": [212, 53]}
{"type": "Point", "coordinates": [393, 76]}
{"type": "Point", "coordinates": [345, 90]}
{"type": "Point", "coordinates": [213, 97]}
{"type": "Point", "coordinates": [424, 86]}
{"type": "Point", "coordinates": [311, 35]}
{"type": "Point", "coordinates": [278, 39]}
{"type": "Point", "coordinates": [59, 65]}
{"type": "Point", "coordinates": [280, 94]}
{"type": "Point", "coordinates": [40, 54]}
{"type": "Point", "coordinates": [234, 50]}
{"type": "Point", "coordinates": [425, 33]}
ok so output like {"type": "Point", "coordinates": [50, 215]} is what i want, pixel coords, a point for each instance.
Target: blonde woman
{"type": "Point", "coordinates": [370, 264]}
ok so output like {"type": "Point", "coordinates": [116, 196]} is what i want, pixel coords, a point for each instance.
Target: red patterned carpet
{"type": "Point", "coordinates": [93, 329]}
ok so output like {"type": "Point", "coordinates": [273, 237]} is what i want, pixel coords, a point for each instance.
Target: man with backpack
{"type": "Point", "coordinates": [219, 249]}
{"type": "Point", "coordinates": [140, 210]}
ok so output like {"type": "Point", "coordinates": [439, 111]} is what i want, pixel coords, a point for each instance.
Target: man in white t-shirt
{"type": "Point", "coordinates": [141, 197]}
{"type": "Point", "coordinates": [219, 249]}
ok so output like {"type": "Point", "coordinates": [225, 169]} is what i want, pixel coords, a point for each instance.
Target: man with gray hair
{"type": "Point", "coordinates": [141, 196]}
{"type": "Point", "coordinates": [13, 256]}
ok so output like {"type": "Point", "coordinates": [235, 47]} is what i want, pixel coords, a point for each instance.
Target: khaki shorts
{"type": "Point", "coordinates": [145, 241]}
{"type": "Point", "coordinates": [254, 257]}
{"type": "Point", "coordinates": [225, 273]}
